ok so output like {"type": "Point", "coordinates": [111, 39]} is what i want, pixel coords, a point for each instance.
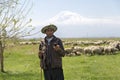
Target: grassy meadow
{"type": "Point", "coordinates": [22, 63]}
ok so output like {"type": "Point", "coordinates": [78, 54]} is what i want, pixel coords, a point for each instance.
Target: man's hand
{"type": "Point", "coordinates": [56, 47]}
{"type": "Point", "coordinates": [40, 54]}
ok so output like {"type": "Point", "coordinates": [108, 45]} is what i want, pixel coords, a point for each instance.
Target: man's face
{"type": "Point", "coordinates": [49, 32]}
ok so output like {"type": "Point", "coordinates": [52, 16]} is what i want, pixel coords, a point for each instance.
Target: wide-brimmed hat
{"type": "Point", "coordinates": [51, 26]}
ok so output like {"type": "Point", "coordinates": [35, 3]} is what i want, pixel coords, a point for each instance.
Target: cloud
{"type": "Point", "coordinates": [72, 24]}
{"type": "Point", "coordinates": [66, 17]}
{"type": "Point", "coordinates": [72, 18]}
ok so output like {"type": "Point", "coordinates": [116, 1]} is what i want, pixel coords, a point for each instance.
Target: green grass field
{"type": "Point", "coordinates": [22, 63]}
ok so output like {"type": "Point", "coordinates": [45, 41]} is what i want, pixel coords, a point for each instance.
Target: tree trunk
{"type": "Point", "coordinates": [1, 58]}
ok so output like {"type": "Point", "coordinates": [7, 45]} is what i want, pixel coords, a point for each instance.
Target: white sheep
{"type": "Point", "coordinates": [97, 50]}
{"type": "Point", "coordinates": [110, 49]}
{"type": "Point", "coordinates": [69, 50]}
{"type": "Point", "coordinates": [87, 50]}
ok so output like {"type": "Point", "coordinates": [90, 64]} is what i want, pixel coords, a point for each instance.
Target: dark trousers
{"type": "Point", "coordinates": [53, 74]}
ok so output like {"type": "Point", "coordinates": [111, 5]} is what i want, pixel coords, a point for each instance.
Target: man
{"type": "Point", "coordinates": [51, 51]}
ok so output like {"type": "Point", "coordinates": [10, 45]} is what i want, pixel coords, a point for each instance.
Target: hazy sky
{"type": "Point", "coordinates": [78, 18]}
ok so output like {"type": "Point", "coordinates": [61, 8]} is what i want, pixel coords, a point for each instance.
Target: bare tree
{"type": "Point", "coordinates": [13, 22]}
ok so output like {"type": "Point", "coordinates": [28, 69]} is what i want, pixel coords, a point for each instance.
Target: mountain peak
{"type": "Point", "coordinates": [72, 18]}
{"type": "Point", "coordinates": [66, 17]}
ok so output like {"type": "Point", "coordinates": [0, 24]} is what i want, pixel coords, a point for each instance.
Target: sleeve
{"type": "Point", "coordinates": [40, 47]}
{"type": "Point", "coordinates": [61, 52]}
{"type": "Point", "coordinates": [40, 51]}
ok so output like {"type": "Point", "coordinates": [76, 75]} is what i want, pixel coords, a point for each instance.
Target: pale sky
{"type": "Point", "coordinates": [78, 18]}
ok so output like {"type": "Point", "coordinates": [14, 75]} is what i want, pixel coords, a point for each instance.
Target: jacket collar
{"type": "Point", "coordinates": [54, 38]}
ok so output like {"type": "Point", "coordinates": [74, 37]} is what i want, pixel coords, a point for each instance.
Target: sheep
{"type": "Point", "coordinates": [76, 52]}
{"type": "Point", "coordinates": [78, 49]}
{"type": "Point", "coordinates": [69, 50]}
{"type": "Point", "coordinates": [110, 49]}
{"type": "Point", "coordinates": [116, 45]}
{"type": "Point", "coordinates": [97, 50]}
{"type": "Point", "coordinates": [87, 50]}
{"type": "Point", "coordinates": [73, 51]}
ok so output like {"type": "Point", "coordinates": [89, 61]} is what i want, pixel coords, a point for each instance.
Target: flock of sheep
{"type": "Point", "coordinates": [87, 47]}
{"type": "Point", "coordinates": [100, 47]}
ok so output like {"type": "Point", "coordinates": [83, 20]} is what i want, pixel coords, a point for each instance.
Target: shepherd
{"type": "Point", "coordinates": [51, 51]}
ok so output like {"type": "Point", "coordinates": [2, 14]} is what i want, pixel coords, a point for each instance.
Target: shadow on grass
{"type": "Point", "coordinates": [19, 76]}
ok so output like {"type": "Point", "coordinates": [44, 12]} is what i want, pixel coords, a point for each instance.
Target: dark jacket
{"type": "Point", "coordinates": [50, 57]}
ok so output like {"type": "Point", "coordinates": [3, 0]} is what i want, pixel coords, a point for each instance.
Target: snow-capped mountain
{"type": "Point", "coordinates": [67, 17]}
{"type": "Point", "coordinates": [71, 24]}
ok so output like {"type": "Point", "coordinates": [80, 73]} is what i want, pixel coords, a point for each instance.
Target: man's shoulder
{"type": "Point", "coordinates": [58, 39]}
